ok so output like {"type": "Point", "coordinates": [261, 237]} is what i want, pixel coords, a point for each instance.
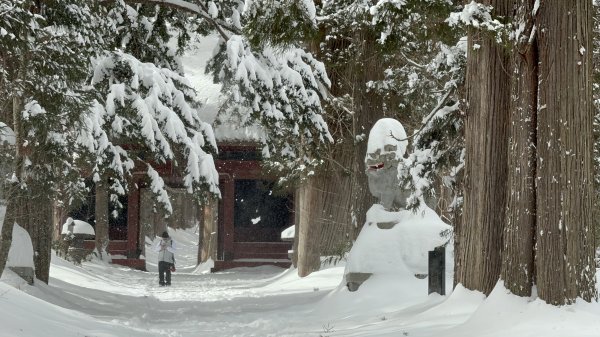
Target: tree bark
{"type": "Point", "coordinates": [486, 130]}
{"type": "Point", "coordinates": [59, 216]}
{"type": "Point", "coordinates": [7, 231]}
{"type": "Point", "coordinates": [565, 241]}
{"type": "Point", "coordinates": [101, 216]}
{"type": "Point", "coordinates": [308, 252]}
{"type": "Point", "coordinates": [15, 192]}
{"type": "Point", "coordinates": [36, 218]}
{"type": "Point", "coordinates": [519, 232]}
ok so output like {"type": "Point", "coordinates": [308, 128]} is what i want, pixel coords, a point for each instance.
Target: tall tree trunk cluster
{"type": "Point", "coordinates": [529, 166]}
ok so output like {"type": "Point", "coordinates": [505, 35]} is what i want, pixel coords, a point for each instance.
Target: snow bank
{"type": "Point", "coordinates": [21, 248]}
{"type": "Point", "coordinates": [30, 316]}
{"type": "Point", "coordinates": [381, 293]}
{"type": "Point", "coordinates": [204, 268]}
{"type": "Point", "coordinates": [289, 233]}
{"type": "Point", "coordinates": [504, 314]}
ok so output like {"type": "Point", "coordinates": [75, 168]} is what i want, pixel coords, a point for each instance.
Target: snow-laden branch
{"type": "Point", "coordinates": [476, 15]}
{"type": "Point", "coordinates": [195, 8]}
{"type": "Point", "coordinates": [151, 110]}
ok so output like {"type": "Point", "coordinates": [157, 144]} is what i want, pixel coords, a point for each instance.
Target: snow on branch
{"type": "Point", "coordinates": [153, 112]}
{"type": "Point", "coordinates": [206, 11]}
{"type": "Point", "coordinates": [476, 15]}
{"type": "Point", "coordinates": [281, 91]}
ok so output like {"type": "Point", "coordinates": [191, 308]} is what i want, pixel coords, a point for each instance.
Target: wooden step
{"type": "Point", "coordinates": [259, 255]}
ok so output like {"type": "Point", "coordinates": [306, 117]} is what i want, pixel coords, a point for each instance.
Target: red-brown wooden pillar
{"type": "Point", "coordinates": [227, 230]}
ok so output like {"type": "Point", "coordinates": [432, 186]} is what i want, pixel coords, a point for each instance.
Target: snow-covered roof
{"type": "Point", "coordinates": [209, 93]}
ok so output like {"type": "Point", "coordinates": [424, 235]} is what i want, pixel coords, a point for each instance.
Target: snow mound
{"type": "Point", "coordinates": [288, 233]}
{"type": "Point", "coordinates": [402, 249]}
{"type": "Point", "coordinates": [30, 316]}
{"type": "Point", "coordinates": [21, 248]}
{"type": "Point", "coordinates": [77, 227]}
{"type": "Point", "coordinates": [505, 314]}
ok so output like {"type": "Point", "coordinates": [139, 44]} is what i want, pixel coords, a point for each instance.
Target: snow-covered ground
{"type": "Point", "coordinates": [100, 300]}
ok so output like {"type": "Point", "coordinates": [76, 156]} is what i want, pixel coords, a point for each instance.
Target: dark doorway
{"type": "Point", "coordinates": [117, 218]}
{"type": "Point", "coordinates": [260, 211]}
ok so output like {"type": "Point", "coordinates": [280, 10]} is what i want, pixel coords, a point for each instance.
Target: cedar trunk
{"type": "Point", "coordinates": [35, 210]}
{"type": "Point", "coordinates": [564, 236]}
{"type": "Point", "coordinates": [519, 233]}
{"type": "Point", "coordinates": [479, 236]}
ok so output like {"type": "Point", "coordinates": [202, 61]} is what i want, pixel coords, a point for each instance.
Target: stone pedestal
{"type": "Point", "coordinates": [77, 252]}
{"type": "Point", "coordinates": [26, 273]}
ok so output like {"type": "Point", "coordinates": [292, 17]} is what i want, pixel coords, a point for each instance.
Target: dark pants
{"type": "Point", "coordinates": [162, 268]}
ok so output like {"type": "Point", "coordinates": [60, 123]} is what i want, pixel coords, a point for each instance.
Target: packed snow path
{"type": "Point", "coordinates": [100, 300]}
{"type": "Point", "coordinates": [103, 300]}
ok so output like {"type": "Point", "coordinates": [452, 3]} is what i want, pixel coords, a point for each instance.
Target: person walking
{"type": "Point", "coordinates": [166, 259]}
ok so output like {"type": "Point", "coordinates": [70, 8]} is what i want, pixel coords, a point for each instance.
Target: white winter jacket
{"type": "Point", "coordinates": [166, 250]}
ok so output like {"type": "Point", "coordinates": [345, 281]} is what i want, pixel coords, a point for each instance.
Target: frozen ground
{"type": "Point", "coordinates": [100, 300]}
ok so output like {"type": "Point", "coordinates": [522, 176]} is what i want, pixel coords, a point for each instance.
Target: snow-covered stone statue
{"type": "Point", "coordinates": [393, 240]}
{"type": "Point", "coordinates": [385, 151]}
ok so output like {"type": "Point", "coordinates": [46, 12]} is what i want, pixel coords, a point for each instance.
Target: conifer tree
{"type": "Point", "coordinates": [44, 67]}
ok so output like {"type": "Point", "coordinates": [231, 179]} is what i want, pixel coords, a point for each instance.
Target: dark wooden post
{"type": "Point", "coordinates": [228, 226]}
{"type": "Point", "coordinates": [437, 271]}
{"type": "Point", "coordinates": [133, 220]}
